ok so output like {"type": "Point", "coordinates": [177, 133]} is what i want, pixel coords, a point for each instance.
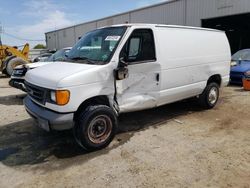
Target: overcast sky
{"type": "Point", "coordinates": [30, 19]}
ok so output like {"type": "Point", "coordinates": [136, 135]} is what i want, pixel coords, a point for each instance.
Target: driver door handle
{"type": "Point", "coordinates": [157, 77]}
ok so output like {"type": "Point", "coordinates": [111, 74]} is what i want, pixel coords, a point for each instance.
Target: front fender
{"type": "Point", "coordinates": [81, 93]}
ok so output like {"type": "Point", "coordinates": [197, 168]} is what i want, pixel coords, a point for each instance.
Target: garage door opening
{"type": "Point", "coordinates": [237, 29]}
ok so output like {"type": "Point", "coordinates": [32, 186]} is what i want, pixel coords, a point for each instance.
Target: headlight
{"type": "Point", "coordinates": [53, 96]}
{"type": "Point", "coordinates": [233, 63]}
{"type": "Point", "coordinates": [247, 73]}
{"type": "Point", "coordinates": [60, 97]}
{"type": "Point", "coordinates": [18, 72]}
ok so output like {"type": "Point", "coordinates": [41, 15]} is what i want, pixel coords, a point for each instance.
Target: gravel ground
{"type": "Point", "coordinates": [178, 145]}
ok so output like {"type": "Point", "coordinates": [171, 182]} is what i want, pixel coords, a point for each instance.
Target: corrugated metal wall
{"type": "Point", "coordinates": [123, 18]}
{"type": "Point", "coordinates": [203, 9]}
{"type": "Point", "coordinates": [51, 40]}
{"type": "Point", "coordinates": [171, 13]}
{"type": "Point", "coordinates": [179, 12]}
{"type": "Point", "coordinates": [84, 28]}
{"type": "Point", "coordinates": [68, 36]}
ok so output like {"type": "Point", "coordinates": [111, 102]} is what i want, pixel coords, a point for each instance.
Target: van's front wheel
{"type": "Point", "coordinates": [95, 127]}
{"type": "Point", "coordinates": [209, 98]}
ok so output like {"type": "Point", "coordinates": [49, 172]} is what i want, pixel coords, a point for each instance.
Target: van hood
{"type": "Point", "coordinates": [63, 74]}
{"type": "Point", "coordinates": [35, 65]}
{"type": "Point", "coordinates": [32, 65]}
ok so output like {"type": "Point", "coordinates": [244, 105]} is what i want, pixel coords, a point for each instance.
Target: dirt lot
{"type": "Point", "coordinates": [178, 145]}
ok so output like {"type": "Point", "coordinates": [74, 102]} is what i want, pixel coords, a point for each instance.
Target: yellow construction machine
{"type": "Point", "coordinates": [10, 57]}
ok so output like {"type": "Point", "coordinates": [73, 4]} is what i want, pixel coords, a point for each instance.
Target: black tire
{"type": "Point", "coordinates": [91, 120]}
{"type": "Point", "coordinates": [4, 72]}
{"type": "Point", "coordinates": [13, 63]}
{"type": "Point", "coordinates": [4, 64]}
{"type": "Point", "coordinates": [209, 98]}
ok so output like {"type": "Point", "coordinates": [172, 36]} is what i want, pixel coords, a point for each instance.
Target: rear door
{"type": "Point", "coordinates": [141, 89]}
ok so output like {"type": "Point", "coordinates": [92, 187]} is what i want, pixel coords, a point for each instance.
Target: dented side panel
{"type": "Point", "coordinates": [141, 89]}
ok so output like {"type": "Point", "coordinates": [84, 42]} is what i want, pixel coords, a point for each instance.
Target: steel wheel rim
{"type": "Point", "coordinates": [99, 129]}
{"type": "Point", "coordinates": [213, 95]}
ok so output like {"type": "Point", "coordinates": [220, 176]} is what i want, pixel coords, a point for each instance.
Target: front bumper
{"type": "Point", "coordinates": [47, 119]}
{"type": "Point", "coordinates": [18, 83]}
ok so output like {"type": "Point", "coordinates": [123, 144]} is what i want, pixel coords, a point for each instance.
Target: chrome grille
{"type": "Point", "coordinates": [19, 72]}
{"type": "Point", "coordinates": [36, 92]}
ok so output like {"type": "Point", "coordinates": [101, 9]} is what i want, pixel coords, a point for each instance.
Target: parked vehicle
{"type": "Point", "coordinates": [11, 57]}
{"type": "Point", "coordinates": [126, 68]}
{"type": "Point", "coordinates": [60, 55]}
{"type": "Point", "coordinates": [240, 66]}
{"type": "Point", "coordinates": [17, 77]}
{"type": "Point", "coordinates": [43, 57]}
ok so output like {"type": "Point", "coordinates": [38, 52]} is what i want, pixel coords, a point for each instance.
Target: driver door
{"type": "Point", "coordinates": [140, 90]}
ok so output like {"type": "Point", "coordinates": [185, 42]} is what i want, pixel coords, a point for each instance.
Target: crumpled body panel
{"type": "Point", "coordinates": [141, 89]}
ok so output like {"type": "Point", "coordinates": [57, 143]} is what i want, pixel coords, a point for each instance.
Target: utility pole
{"type": "Point", "coordinates": [1, 31]}
{"type": "Point", "coordinates": [1, 52]}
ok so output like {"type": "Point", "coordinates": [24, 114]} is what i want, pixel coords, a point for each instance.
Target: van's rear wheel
{"type": "Point", "coordinates": [95, 127]}
{"type": "Point", "coordinates": [209, 98]}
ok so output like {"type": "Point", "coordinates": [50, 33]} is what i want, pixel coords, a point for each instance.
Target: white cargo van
{"type": "Point", "coordinates": [125, 68]}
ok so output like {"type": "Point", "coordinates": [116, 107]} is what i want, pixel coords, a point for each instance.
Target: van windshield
{"type": "Point", "coordinates": [96, 47]}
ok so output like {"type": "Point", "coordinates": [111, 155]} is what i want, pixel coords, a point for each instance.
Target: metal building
{"type": "Point", "coordinates": [232, 16]}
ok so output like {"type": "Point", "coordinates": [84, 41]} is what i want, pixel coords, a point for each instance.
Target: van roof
{"type": "Point", "coordinates": [164, 25]}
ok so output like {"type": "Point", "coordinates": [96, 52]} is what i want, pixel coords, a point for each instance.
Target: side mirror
{"type": "Point", "coordinates": [122, 62]}
{"type": "Point", "coordinates": [121, 73]}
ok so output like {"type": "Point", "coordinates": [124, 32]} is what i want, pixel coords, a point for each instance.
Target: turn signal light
{"type": "Point", "coordinates": [62, 97]}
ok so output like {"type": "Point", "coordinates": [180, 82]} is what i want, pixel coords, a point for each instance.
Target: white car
{"type": "Point", "coordinates": [42, 57]}
{"type": "Point", "coordinates": [135, 67]}
{"type": "Point", "coordinates": [17, 77]}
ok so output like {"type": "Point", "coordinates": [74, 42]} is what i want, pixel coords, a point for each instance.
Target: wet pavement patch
{"type": "Point", "coordinates": [12, 99]}
{"type": "Point", "coordinates": [4, 153]}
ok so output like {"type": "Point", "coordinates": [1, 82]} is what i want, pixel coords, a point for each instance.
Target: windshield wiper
{"type": "Point", "coordinates": [81, 58]}
{"type": "Point", "coordinates": [78, 58]}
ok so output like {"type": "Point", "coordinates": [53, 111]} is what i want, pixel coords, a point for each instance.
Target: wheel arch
{"type": "Point", "coordinates": [97, 100]}
{"type": "Point", "coordinates": [216, 78]}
